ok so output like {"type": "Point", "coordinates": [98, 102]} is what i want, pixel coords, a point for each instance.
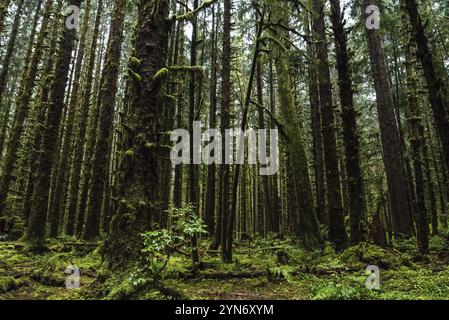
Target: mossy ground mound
{"type": "Point", "coordinates": [369, 254]}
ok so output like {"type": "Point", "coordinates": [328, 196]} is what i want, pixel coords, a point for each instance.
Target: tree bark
{"type": "Point", "coordinates": [80, 134]}
{"type": "Point", "coordinates": [298, 178]}
{"type": "Point", "coordinates": [108, 92]}
{"type": "Point", "coordinates": [392, 152]}
{"type": "Point", "coordinates": [433, 73]}
{"type": "Point", "coordinates": [139, 180]}
{"type": "Point", "coordinates": [337, 233]}
{"type": "Point", "coordinates": [57, 207]}
{"type": "Point", "coordinates": [356, 194]}
{"type": "Point", "coordinates": [36, 230]}
{"type": "Point", "coordinates": [22, 108]}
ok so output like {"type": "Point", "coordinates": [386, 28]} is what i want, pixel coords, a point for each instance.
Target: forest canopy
{"type": "Point", "coordinates": [147, 146]}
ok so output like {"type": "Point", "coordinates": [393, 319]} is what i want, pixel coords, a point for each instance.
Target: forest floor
{"type": "Point", "coordinates": [264, 269]}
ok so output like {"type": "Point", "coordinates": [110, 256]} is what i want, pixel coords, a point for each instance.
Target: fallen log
{"type": "Point", "coordinates": [259, 274]}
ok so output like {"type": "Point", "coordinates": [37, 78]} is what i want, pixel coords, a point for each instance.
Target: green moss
{"type": "Point", "coordinates": [16, 259]}
{"type": "Point", "coordinates": [368, 254]}
{"type": "Point", "coordinates": [134, 74]}
{"type": "Point", "coordinates": [161, 74]}
{"type": "Point", "coordinates": [129, 153]}
{"type": "Point", "coordinates": [7, 284]}
{"type": "Point", "coordinates": [150, 145]}
{"type": "Point", "coordinates": [134, 61]}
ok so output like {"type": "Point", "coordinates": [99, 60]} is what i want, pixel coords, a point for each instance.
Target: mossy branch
{"type": "Point", "coordinates": [273, 117]}
{"type": "Point", "coordinates": [192, 14]}
{"type": "Point", "coordinates": [164, 72]}
{"type": "Point", "coordinates": [195, 69]}
{"type": "Point", "coordinates": [276, 41]}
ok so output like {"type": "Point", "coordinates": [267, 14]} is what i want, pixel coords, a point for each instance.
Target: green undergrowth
{"type": "Point", "coordinates": [268, 268]}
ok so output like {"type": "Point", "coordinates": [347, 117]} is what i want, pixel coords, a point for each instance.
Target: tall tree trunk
{"type": "Point", "coordinates": [11, 45]}
{"type": "Point", "coordinates": [107, 103]}
{"type": "Point", "coordinates": [438, 89]}
{"type": "Point", "coordinates": [276, 201]}
{"type": "Point", "coordinates": [193, 195]}
{"type": "Point", "coordinates": [55, 210]}
{"type": "Point", "coordinates": [178, 179]}
{"type": "Point", "coordinates": [22, 108]}
{"type": "Point", "coordinates": [317, 136]}
{"type": "Point", "coordinates": [392, 154]}
{"type": "Point", "coordinates": [40, 111]}
{"type": "Point", "coordinates": [337, 233]}
{"type": "Point", "coordinates": [299, 179]}
{"type": "Point", "coordinates": [416, 138]}
{"type": "Point", "coordinates": [80, 134]}
{"type": "Point", "coordinates": [223, 196]}
{"type": "Point", "coordinates": [37, 226]}
{"type": "Point", "coordinates": [356, 194]}
{"type": "Point", "coordinates": [139, 177]}
{"type": "Point", "coordinates": [211, 170]}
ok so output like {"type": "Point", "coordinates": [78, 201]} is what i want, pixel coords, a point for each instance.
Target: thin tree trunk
{"type": "Point", "coordinates": [211, 170]}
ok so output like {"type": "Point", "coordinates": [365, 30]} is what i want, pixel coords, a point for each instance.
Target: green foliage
{"type": "Point", "coordinates": [283, 272]}
{"type": "Point", "coordinates": [342, 288]}
{"type": "Point", "coordinates": [438, 244]}
{"type": "Point", "coordinates": [160, 245]}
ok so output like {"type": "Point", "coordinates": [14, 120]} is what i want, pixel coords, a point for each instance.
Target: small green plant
{"type": "Point", "coordinates": [160, 245]}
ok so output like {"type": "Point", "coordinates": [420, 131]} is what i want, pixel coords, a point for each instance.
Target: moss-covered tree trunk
{"type": "Point", "coordinates": [337, 232]}
{"type": "Point", "coordinates": [193, 84]}
{"type": "Point", "coordinates": [36, 230]}
{"type": "Point", "coordinates": [212, 169]}
{"type": "Point", "coordinates": [10, 48]}
{"type": "Point", "coordinates": [4, 4]}
{"type": "Point", "coordinates": [223, 195]}
{"type": "Point", "coordinates": [64, 161]}
{"type": "Point", "coordinates": [80, 134]}
{"type": "Point", "coordinates": [317, 136]}
{"type": "Point", "coordinates": [139, 178]}
{"type": "Point", "coordinates": [107, 103]}
{"type": "Point", "coordinates": [22, 108]}
{"type": "Point", "coordinates": [355, 187]}
{"type": "Point", "coordinates": [270, 214]}
{"type": "Point", "coordinates": [416, 138]}
{"type": "Point", "coordinates": [40, 111]}
{"type": "Point", "coordinates": [26, 63]}
{"type": "Point", "coordinates": [391, 145]}
{"type": "Point", "coordinates": [307, 221]}
{"type": "Point", "coordinates": [435, 76]}
{"type": "Point", "coordinates": [178, 179]}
